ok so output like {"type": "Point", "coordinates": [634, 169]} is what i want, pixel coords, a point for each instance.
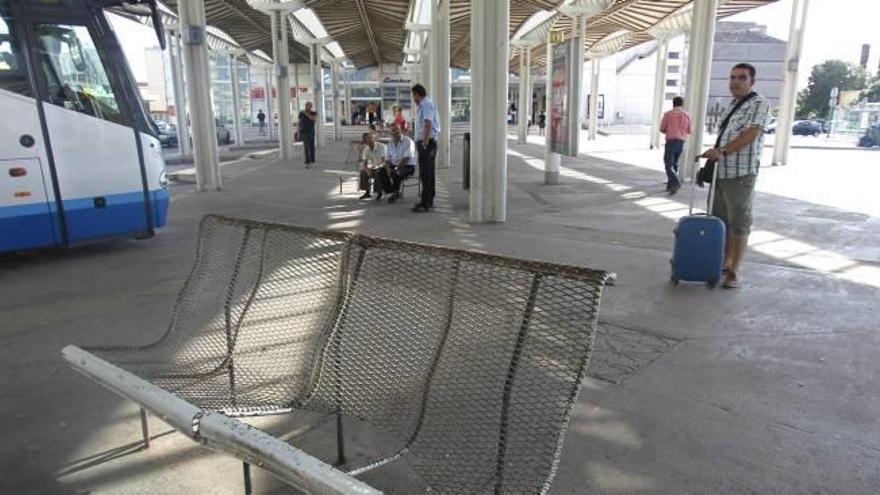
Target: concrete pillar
{"type": "Point", "coordinates": [440, 85]}
{"type": "Point", "coordinates": [191, 16]}
{"type": "Point", "coordinates": [312, 86]}
{"type": "Point", "coordinates": [659, 92]}
{"type": "Point", "coordinates": [527, 114]}
{"type": "Point", "coordinates": [236, 100]}
{"type": "Point", "coordinates": [522, 89]}
{"type": "Point", "coordinates": [789, 81]}
{"type": "Point", "coordinates": [319, 101]}
{"type": "Point", "coordinates": [698, 76]}
{"type": "Point", "coordinates": [489, 55]}
{"type": "Point", "coordinates": [183, 145]}
{"type": "Point", "coordinates": [578, 30]}
{"type": "Point", "coordinates": [426, 61]}
{"type": "Point", "coordinates": [595, 68]}
{"type": "Point", "coordinates": [551, 160]}
{"type": "Point", "coordinates": [337, 126]}
{"type": "Point", "coordinates": [270, 103]}
{"type": "Point", "coordinates": [348, 109]}
{"type": "Point", "coordinates": [294, 85]}
{"type": "Point", "coordinates": [282, 82]}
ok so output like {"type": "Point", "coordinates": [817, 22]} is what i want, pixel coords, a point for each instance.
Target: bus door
{"type": "Point", "coordinates": [28, 217]}
{"type": "Point", "coordinates": [96, 155]}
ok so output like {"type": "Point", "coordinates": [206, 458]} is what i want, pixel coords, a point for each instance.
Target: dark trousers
{"type": "Point", "coordinates": [671, 153]}
{"type": "Point", "coordinates": [366, 175]}
{"type": "Point", "coordinates": [427, 159]}
{"type": "Point", "coordinates": [308, 139]}
{"type": "Point", "coordinates": [399, 175]}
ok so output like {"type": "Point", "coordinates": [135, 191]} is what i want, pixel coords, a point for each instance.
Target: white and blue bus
{"type": "Point", "coordinates": [80, 158]}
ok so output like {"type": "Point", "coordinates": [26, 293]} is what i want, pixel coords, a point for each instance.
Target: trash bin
{"type": "Point", "coordinates": [466, 167]}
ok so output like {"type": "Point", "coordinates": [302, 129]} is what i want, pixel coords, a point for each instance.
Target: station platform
{"type": "Point", "coordinates": [768, 388]}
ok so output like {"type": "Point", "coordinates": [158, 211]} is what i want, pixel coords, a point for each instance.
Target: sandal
{"type": "Point", "coordinates": [731, 280]}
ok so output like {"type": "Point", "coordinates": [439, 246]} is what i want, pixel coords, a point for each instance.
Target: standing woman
{"type": "Point", "coordinates": [307, 132]}
{"type": "Point", "coordinates": [400, 120]}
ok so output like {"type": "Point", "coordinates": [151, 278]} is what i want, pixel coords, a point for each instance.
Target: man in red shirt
{"type": "Point", "coordinates": [676, 126]}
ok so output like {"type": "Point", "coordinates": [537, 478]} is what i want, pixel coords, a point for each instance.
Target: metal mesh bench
{"type": "Point", "coordinates": [470, 363]}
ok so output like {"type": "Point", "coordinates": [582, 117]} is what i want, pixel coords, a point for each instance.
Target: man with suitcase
{"type": "Point", "coordinates": [737, 154]}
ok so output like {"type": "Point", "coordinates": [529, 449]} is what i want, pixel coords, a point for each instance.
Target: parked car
{"type": "Point", "coordinates": [871, 137]}
{"type": "Point", "coordinates": [168, 134]}
{"type": "Point", "coordinates": [223, 134]}
{"type": "Point", "coordinates": [806, 128]}
{"type": "Point", "coordinates": [771, 127]}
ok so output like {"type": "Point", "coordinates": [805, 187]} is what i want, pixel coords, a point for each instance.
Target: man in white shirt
{"type": "Point", "coordinates": [399, 158]}
{"type": "Point", "coordinates": [427, 134]}
{"type": "Point", "coordinates": [372, 156]}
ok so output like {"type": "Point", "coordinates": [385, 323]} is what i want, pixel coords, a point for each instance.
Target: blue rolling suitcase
{"type": "Point", "coordinates": [698, 254]}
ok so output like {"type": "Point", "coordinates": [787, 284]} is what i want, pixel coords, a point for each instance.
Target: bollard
{"type": "Point", "coordinates": [466, 163]}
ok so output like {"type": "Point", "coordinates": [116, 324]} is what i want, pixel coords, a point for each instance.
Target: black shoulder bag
{"type": "Point", "coordinates": [705, 174]}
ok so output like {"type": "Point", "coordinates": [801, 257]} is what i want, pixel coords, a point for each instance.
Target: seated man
{"type": "Point", "coordinates": [399, 164]}
{"type": "Point", "coordinates": [372, 155]}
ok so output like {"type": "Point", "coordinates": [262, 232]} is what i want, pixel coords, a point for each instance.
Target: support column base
{"type": "Point", "coordinates": [551, 178]}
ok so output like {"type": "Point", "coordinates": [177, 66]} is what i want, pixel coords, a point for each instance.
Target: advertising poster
{"type": "Point", "coordinates": [563, 99]}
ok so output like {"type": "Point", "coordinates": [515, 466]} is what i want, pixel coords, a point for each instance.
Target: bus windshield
{"type": "Point", "coordinates": [75, 76]}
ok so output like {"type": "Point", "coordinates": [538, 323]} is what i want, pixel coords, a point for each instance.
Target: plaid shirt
{"type": "Point", "coordinates": [747, 161]}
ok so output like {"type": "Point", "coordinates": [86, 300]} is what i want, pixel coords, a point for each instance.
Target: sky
{"type": "Point", "coordinates": [836, 29]}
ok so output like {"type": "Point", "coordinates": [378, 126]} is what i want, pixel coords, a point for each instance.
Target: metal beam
{"type": "Point", "coordinates": [362, 10]}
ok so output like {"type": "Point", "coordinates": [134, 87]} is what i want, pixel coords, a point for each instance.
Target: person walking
{"type": "Point", "coordinates": [427, 133]}
{"type": "Point", "coordinates": [542, 122]}
{"type": "Point", "coordinates": [306, 129]}
{"type": "Point", "coordinates": [737, 154]}
{"type": "Point", "coordinates": [261, 121]}
{"type": "Point", "coordinates": [676, 126]}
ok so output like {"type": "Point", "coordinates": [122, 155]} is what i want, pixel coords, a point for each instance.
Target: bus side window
{"type": "Point", "coordinates": [12, 71]}
{"type": "Point", "coordinates": [75, 75]}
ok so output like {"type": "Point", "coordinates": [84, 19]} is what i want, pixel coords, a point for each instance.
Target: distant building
{"type": "Point", "coordinates": [626, 79]}
{"type": "Point", "coordinates": [153, 90]}
{"type": "Point", "coordinates": [746, 42]}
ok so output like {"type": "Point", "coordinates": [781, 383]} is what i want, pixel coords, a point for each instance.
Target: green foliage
{"type": "Point", "coordinates": [813, 100]}
{"type": "Point", "coordinates": [872, 92]}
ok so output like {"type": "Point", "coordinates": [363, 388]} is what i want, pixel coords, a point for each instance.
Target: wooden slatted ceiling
{"type": "Point", "coordinates": [247, 26]}
{"type": "Point", "coordinates": [636, 16]}
{"type": "Point", "coordinates": [370, 32]}
{"type": "Point", "coordinates": [460, 24]}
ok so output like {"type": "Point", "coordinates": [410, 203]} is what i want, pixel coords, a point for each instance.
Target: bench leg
{"type": "Point", "coordinates": [248, 489]}
{"type": "Point", "coordinates": [340, 441]}
{"type": "Point", "coordinates": [145, 428]}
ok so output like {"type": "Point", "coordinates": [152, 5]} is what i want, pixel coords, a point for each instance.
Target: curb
{"type": "Point", "coordinates": [188, 175]}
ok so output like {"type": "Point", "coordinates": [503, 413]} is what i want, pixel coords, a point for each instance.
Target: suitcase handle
{"type": "Point", "coordinates": [711, 187]}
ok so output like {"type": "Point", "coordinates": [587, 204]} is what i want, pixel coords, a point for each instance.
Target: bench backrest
{"type": "Point", "coordinates": [471, 362]}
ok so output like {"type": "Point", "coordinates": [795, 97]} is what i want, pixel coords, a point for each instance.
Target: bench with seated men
{"type": "Point", "coordinates": [384, 165]}
{"type": "Point", "coordinates": [388, 165]}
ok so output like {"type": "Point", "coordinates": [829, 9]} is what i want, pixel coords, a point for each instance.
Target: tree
{"type": "Point", "coordinates": [813, 100]}
{"type": "Point", "coordinates": [872, 92]}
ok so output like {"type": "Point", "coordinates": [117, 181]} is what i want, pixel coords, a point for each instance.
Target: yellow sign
{"type": "Point", "coordinates": [557, 36]}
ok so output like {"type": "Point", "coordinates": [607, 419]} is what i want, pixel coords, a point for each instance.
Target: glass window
{"type": "Point", "coordinates": [674, 55]}
{"type": "Point", "coordinates": [12, 70]}
{"type": "Point", "coordinates": [75, 76]}
{"type": "Point", "coordinates": [671, 82]}
{"type": "Point", "coordinates": [365, 92]}
{"type": "Point", "coordinates": [674, 69]}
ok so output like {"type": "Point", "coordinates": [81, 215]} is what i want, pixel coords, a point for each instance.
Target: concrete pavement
{"type": "Point", "coordinates": [771, 388]}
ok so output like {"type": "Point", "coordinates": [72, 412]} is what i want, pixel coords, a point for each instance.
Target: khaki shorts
{"type": "Point", "coordinates": [733, 204]}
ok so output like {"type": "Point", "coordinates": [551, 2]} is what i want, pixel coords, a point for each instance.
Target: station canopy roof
{"type": "Point", "coordinates": [374, 32]}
